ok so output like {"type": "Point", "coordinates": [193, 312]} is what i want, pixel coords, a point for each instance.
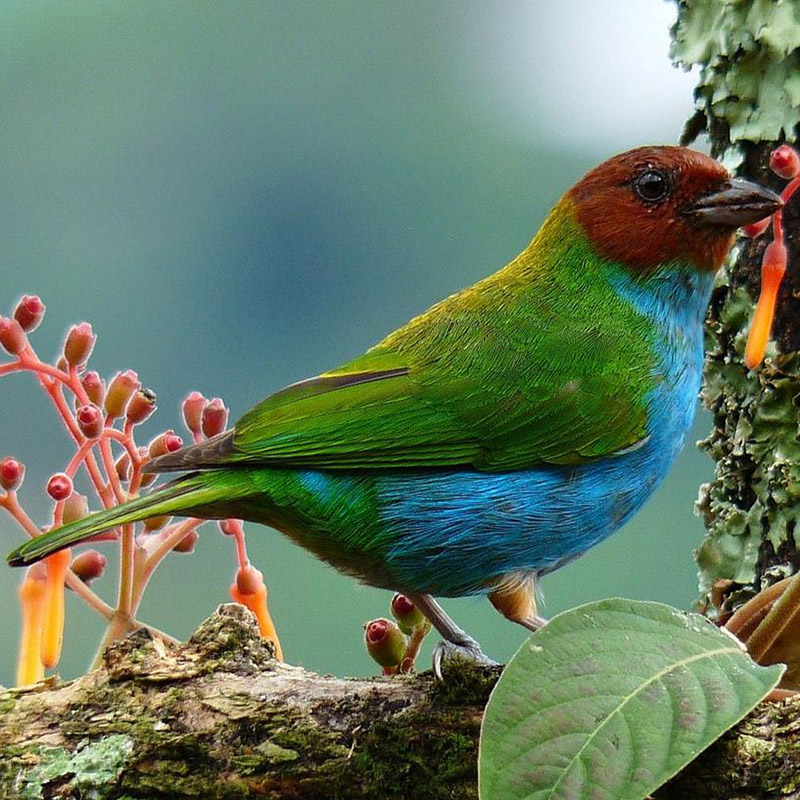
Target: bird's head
{"type": "Point", "coordinates": [655, 205]}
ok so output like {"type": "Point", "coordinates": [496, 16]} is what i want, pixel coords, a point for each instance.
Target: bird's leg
{"type": "Point", "coordinates": [517, 602]}
{"type": "Point", "coordinates": [456, 641]}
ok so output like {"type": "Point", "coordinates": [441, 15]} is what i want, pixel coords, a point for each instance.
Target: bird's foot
{"type": "Point", "coordinates": [468, 649]}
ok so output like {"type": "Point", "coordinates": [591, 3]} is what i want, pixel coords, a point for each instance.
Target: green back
{"type": "Point", "coordinates": [542, 362]}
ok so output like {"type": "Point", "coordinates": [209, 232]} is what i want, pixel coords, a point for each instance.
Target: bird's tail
{"type": "Point", "coordinates": [199, 490]}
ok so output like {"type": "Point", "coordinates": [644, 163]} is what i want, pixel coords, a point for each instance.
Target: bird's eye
{"type": "Point", "coordinates": [651, 185]}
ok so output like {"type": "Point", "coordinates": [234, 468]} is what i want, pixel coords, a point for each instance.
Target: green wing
{"type": "Point", "coordinates": [544, 362]}
{"type": "Point", "coordinates": [368, 413]}
{"type": "Point", "coordinates": [505, 397]}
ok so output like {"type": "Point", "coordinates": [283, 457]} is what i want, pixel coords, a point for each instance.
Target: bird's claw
{"type": "Point", "coordinates": [469, 650]}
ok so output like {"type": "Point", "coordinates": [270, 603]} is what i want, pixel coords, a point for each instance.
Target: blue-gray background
{"type": "Point", "coordinates": [240, 195]}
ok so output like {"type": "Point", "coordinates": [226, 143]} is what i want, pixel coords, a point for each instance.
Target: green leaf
{"type": "Point", "coordinates": [611, 699]}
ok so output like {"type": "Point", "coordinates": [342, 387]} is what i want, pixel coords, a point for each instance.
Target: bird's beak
{"type": "Point", "coordinates": [734, 204]}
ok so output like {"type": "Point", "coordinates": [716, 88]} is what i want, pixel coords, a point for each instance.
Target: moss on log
{"type": "Point", "coordinates": [218, 717]}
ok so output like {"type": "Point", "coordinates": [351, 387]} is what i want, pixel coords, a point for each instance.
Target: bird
{"type": "Point", "coordinates": [506, 430]}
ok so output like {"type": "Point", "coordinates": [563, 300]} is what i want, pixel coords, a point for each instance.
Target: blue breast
{"type": "Point", "coordinates": [456, 533]}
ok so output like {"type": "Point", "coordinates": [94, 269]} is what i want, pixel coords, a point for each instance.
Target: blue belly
{"type": "Point", "coordinates": [453, 533]}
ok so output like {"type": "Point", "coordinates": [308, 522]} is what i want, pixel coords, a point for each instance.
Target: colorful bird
{"type": "Point", "coordinates": [506, 430]}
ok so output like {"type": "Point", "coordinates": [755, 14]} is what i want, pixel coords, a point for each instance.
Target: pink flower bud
{"type": "Point", "coordinates": [148, 477]}
{"type": "Point", "coordinates": [89, 565]}
{"type": "Point", "coordinates": [11, 474]}
{"type": "Point", "coordinates": [785, 162]}
{"type": "Point", "coordinates": [156, 523]}
{"type": "Point", "coordinates": [408, 616]}
{"type": "Point", "coordinates": [756, 228]}
{"type": "Point", "coordinates": [167, 442]}
{"type": "Point", "coordinates": [76, 507]}
{"type": "Point", "coordinates": [122, 466]}
{"type": "Point", "coordinates": [248, 579]}
{"type": "Point", "coordinates": [12, 337]}
{"type": "Point", "coordinates": [79, 344]}
{"type": "Point", "coordinates": [385, 642]}
{"type": "Point", "coordinates": [230, 527]}
{"type": "Point", "coordinates": [29, 312]}
{"type": "Point", "coordinates": [90, 421]}
{"type": "Point", "coordinates": [59, 487]}
{"type": "Point", "coordinates": [186, 545]}
{"type": "Point", "coordinates": [215, 417]}
{"type": "Point", "coordinates": [94, 386]}
{"type": "Point", "coordinates": [120, 390]}
{"type": "Point", "coordinates": [141, 406]}
{"type": "Point", "coordinates": [192, 409]}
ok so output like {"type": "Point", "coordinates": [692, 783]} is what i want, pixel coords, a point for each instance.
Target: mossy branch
{"type": "Point", "coordinates": [218, 717]}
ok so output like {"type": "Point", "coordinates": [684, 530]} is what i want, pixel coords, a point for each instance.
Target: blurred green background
{"type": "Point", "coordinates": [240, 195]}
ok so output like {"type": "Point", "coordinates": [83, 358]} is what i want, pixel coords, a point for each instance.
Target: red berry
{"type": "Point", "coordinates": [29, 312]}
{"type": "Point", "coordinates": [141, 406]}
{"type": "Point", "coordinates": [11, 474]}
{"type": "Point", "coordinates": [192, 409]}
{"type": "Point", "coordinates": [12, 336]}
{"type": "Point", "coordinates": [79, 344]}
{"type": "Point", "coordinates": [785, 161]}
{"type": "Point", "coordinates": [59, 487]}
{"type": "Point", "coordinates": [120, 390]}
{"type": "Point", "coordinates": [215, 417]}
{"type": "Point", "coordinates": [90, 421]}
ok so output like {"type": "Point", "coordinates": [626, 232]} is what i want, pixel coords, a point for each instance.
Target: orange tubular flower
{"type": "Point", "coordinates": [257, 602]}
{"type": "Point", "coordinates": [31, 599]}
{"type": "Point", "coordinates": [53, 628]}
{"type": "Point", "coordinates": [773, 269]}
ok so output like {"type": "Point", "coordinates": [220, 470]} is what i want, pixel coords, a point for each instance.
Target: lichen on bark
{"type": "Point", "coordinates": [748, 100]}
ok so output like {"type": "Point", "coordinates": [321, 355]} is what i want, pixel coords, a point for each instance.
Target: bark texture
{"type": "Point", "coordinates": [748, 102]}
{"type": "Point", "coordinates": [218, 717]}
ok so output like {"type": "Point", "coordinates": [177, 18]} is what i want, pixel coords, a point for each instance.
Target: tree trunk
{"type": "Point", "coordinates": [748, 102]}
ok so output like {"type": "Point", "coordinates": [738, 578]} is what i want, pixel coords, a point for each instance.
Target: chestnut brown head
{"type": "Point", "coordinates": [655, 205]}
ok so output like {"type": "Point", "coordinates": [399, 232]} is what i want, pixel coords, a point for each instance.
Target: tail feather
{"type": "Point", "coordinates": [175, 498]}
